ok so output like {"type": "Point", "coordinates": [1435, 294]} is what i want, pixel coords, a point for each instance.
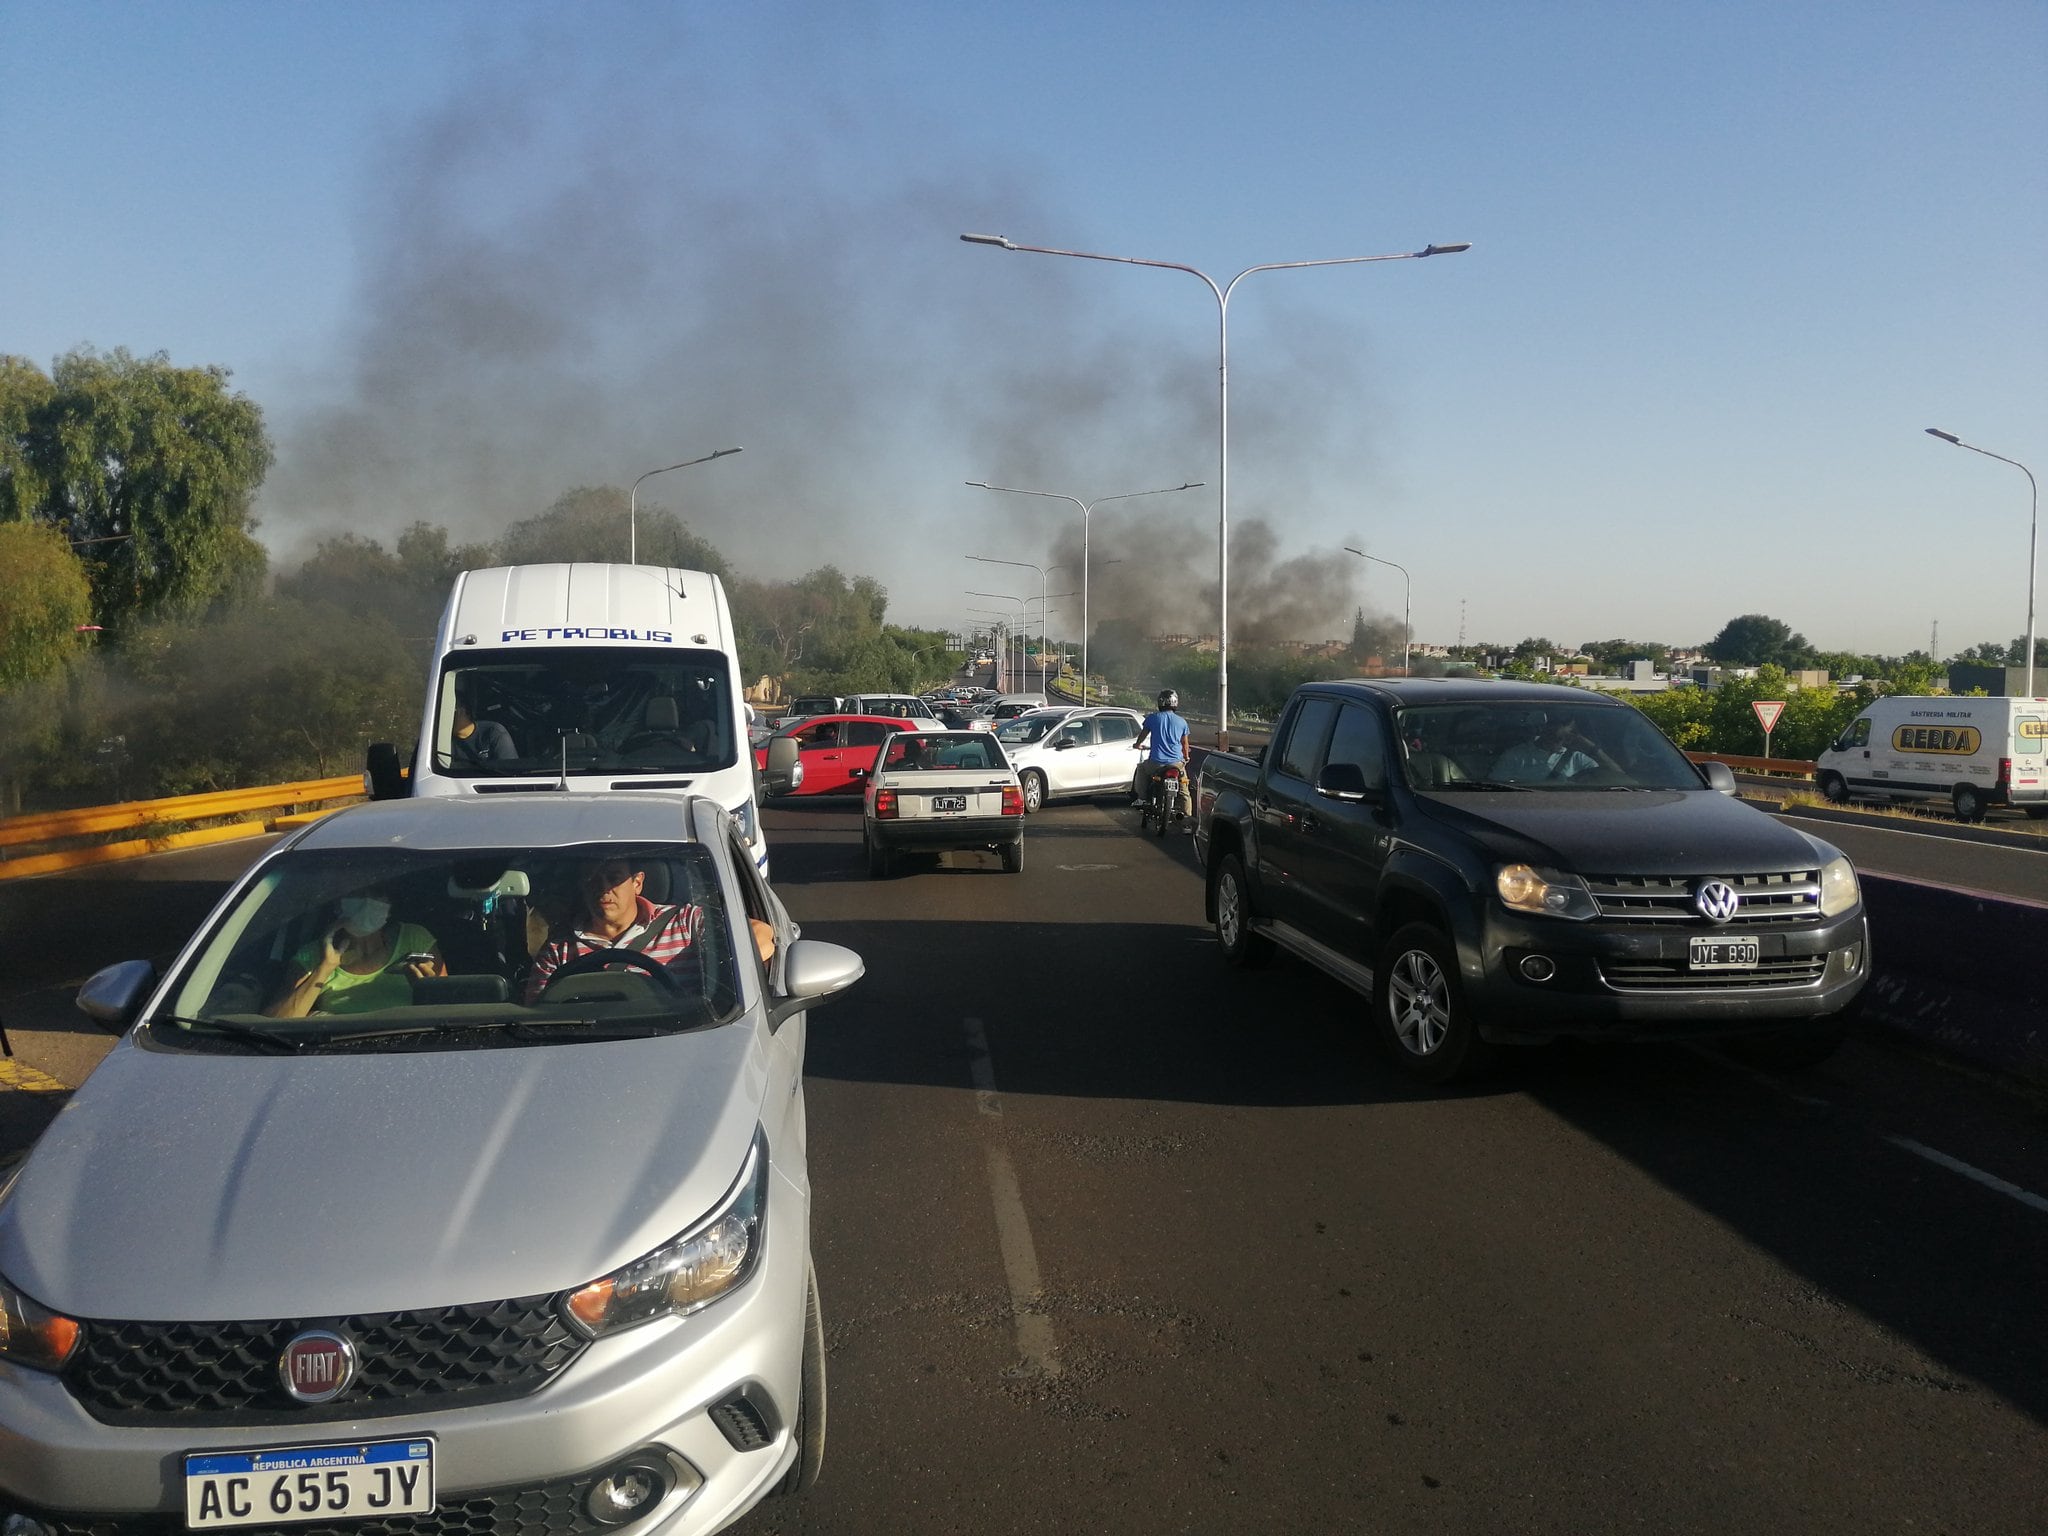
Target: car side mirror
{"type": "Point", "coordinates": [1719, 776]}
{"type": "Point", "coordinates": [1343, 781]}
{"type": "Point", "coordinates": [782, 775]}
{"type": "Point", "coordinates": [814, 972]}
{"type": "Point", "coordinates": [112, 997]}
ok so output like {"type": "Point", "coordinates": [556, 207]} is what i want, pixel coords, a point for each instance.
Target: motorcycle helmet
{"type": "Point", "coordinates": [1168, 699]}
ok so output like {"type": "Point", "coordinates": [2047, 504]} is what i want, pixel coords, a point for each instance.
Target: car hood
{"type": "Point", "coordinates": [1634, 832]}
{"type": "Point", "coordinates": [186, 1187]}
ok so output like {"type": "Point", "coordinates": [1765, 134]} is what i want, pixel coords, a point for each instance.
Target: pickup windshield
{"type": "Point", "coordinates": [584, 709]}
{"type": "Point", "coordinates": [1567, 745]}
{"type": "Point", "coordinates": [339, 948]}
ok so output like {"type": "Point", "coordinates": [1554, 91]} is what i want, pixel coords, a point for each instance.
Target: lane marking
{"type": "Point", "coordinates": [18, 1074]}
{"type": "Point", "coordinates": [1978, 1175]}
{"type": "Point", "coordinates": [1035, 1342]}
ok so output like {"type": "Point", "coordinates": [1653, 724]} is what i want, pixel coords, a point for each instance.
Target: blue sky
{"type": "Point", "coordinates": [1729, 260]}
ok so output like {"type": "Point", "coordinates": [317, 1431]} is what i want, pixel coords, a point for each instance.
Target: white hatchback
{"type": "Point", "coordinates": [1065, 753]}
{"type": "Point", "coordinates": [933, 791]}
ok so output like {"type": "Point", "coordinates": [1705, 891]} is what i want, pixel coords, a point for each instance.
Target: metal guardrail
{"type": "Point", "coordinates": [20, 832]}
{"type": "Point", "coordinates": [1787, 767]}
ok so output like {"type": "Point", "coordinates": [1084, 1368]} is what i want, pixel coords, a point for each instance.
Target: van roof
{"type": "Point", "coordinates": [587, 602]}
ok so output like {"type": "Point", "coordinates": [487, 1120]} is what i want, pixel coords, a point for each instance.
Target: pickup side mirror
{"type": "Point", "coordinates": [814, 972]}
{"type": "Point", "coordinates": [383, 779]}
{"type": "Point", "coordinates": [1343, 781]}
{"type": "Point", "coordinates": [785, 770]}
{"type": "Point", "coordinates": [1719, 776]}
{"type": "Point", "coordinates": [111, 997]}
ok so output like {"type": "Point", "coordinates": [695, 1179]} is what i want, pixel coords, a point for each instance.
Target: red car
{"type": "Point", "coordinates": [837, 751]}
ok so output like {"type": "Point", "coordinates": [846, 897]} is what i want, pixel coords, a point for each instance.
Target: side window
{"type": "Point", "coordinates": [1859, 733]}
{"type": "Point", "coordinates": [1077, 732]}
{"type": "Point", "coordinates": [1301, 754]}
{"type": "Point", "coordinates": [1116, 728]}
{"type": "Point", "coordinates": [1359, 738]}
{"type": "Point", "coordinates": [866, 733]}
{"type": "Point", "coordinates": [754, 909]}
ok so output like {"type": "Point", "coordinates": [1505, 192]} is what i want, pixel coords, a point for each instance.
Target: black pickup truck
{"type": "Point", "coordinates": [1497, 863]}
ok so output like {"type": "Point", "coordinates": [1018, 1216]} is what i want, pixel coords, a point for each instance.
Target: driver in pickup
{"type": "Point", "coordinates": [616, 916]}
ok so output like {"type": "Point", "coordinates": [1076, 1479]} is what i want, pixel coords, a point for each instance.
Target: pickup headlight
{"type": "Point", "coordinates": [34, 1335]}
{"type": "Point", "coordinates": [1544, 892]}
{"type": "Point", "coordinates": [689, 1273]}
{"type": "Point", "coordinates": [1838, 888]}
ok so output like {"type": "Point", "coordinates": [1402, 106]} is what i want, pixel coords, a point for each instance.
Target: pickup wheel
{"type": "Point", "coordinates": [1420, 1008]}
{"type": "Point", "coordinates": [1242, 946]}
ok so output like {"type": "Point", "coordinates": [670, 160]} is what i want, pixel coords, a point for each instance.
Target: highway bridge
{"type": "Point", "coordinates": [1112, 1238]}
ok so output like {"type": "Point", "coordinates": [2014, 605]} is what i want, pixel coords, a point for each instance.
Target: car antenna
{"type": "Point", "coordinates": [563, 783]}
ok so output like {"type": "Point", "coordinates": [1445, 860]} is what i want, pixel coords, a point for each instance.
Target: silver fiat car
{"type": "Point", "coordinates": [452, 1180]}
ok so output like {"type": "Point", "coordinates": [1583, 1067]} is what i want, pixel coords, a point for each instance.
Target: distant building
{"type": "Point", "coordinates": [1999, 682]}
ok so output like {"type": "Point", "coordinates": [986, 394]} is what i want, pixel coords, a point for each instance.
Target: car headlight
{"type": "Point", "coordinates": [688, 1273]}
{"type": "Point", "coordinates": [1544, 892]}
{"type": "Point", "coordinates": [31, 1334]}
{"type": "Point", "coordinates": [1838, 888]}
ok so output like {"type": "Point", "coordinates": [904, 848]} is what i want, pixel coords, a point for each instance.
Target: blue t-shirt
{"type": "Point", "coordinates": [1169, 735]}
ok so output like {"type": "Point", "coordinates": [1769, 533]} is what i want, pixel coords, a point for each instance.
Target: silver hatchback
{"type": "Point", "coordinates": [454, 1176]}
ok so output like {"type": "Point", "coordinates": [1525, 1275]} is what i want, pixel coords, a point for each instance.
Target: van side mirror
{"type": "Point", "coordinates": [1343, 781]}
{"type": "Point", "coordinates": [782, 775]}
{"type": "Point", "coordinates": [383, 778]}
{"type": "Point", "coordinates": [1719, 776]}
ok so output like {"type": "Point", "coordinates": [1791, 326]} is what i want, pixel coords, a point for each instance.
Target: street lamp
{"type": "Point", "coordinates": [1087, 507]}
{"type": "Point", "coordinates": [1407, 634]}
{"type": "Point", "coordinates": [1041, 569]}
{"type": "Point", "coordinates": [1009, 597]}
{"type": "Point", "coordinates": [2033, 533]}
{"type": "Point", "coordinates": [633, 500]}
{"type": "Point", "coordinates": [1222, 295]}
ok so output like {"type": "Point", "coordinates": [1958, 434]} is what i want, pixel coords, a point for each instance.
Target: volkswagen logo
{"type": "Point", "coordinates": [1716, 900]}
{"type": "Point", "coordinates": [317, 1366]}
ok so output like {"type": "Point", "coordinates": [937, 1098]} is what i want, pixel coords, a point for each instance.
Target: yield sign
{"type": "Point", "coordinates": [1768, 710]}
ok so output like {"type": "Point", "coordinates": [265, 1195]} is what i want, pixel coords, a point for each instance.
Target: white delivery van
{"type": "Point", "coordinates": [583, 678]}
{"type": "Point", "coordinates": [1973, 752]}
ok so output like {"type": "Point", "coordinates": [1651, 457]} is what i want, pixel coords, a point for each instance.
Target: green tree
{"type": "Point", "coordinates": [25, 392]}
{"type": "Point", "coordinates": [150, 469]}
{"type": "Point", "coordinates": [409, 586]}
{"type": "Point", "coordinates": [1756, 640]}
{"type": "Point", "coordinates": [592, 522]}
{"type": "Point", "coordinates": [1617, 653]}
{"type": "Point", "coordinates": [44, 598]}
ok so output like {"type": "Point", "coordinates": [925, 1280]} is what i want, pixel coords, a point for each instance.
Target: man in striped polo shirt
{"type": "Point", "coordinates": [617, 916]}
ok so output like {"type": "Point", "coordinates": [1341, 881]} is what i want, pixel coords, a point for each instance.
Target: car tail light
{"type": "Point", "coordinates": [2004, 772]}
{"type": "Point", "coordinates": [1013, 800]}
{"type": "Point", "coordinates": [885, 805]}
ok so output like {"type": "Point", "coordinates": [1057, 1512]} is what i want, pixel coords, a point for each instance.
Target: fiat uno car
{"type": "Point", "coordinates": [509, 1234]}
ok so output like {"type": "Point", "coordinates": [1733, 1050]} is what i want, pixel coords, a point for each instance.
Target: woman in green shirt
{"type": "Point", "coordinates": [362, 961]}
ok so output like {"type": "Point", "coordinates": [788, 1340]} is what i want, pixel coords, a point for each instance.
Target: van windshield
{"type": "Point", "coordinates": [585, 709]}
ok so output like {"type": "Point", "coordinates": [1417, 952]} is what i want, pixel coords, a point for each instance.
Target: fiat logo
{"type": "Point", "coordinates": [317, 1366]}
{"type": "Point", "coordinates": [1716, 900]}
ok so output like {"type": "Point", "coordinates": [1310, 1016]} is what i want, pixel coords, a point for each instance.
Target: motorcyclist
{"type": "Point", "coordinates": [1164, 740]}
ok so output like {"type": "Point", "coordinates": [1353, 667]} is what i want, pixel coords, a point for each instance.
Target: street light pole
{"type": "Point", "coordinates": [2033, 534]}
{"type": "Point", "coordinates": [1041, 569]}
{"type": "Point", "coordinates": [1407, 634]}
{"type": "Point", "coordinates": [1222, 293]}
{"type": "Point", "coordinates": [1087, 508]}
{"type": "Point", "coordinates": [633, 500]}
{"type": "Point", "coordinates": [1009, 597]}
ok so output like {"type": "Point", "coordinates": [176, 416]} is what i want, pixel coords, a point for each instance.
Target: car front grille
{"type": "Point", "coordinates": [227, 1373]}
{"type": "Point", "coordinates": [546, 1509]}
{"type": "Point", "coordinates": [1779, 898]}
{"type": "Point", "coordinates": [1674, 976]}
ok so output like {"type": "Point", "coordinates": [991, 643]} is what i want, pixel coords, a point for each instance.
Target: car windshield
{"type": "Point", "coordinates": [585, 709]}
{"type": "Point", "coordinates": [389, 948]}
{"type": "Point", "coordinates": [1567, 745]}
{"type": "Point", "coordinates": [1025, 729]}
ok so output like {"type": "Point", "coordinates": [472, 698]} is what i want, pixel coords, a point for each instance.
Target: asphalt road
{"type": "Point", "coordinates": [1112, 1239]}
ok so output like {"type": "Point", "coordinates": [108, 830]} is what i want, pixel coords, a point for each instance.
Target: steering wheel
{"type": "Point", "coordinates": [599, 959]}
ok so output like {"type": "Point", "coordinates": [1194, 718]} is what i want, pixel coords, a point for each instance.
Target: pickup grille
{"type": "Point", "coordinates": [1673, 976]}
{"type": "Point", "coordinates": [1783, 898]}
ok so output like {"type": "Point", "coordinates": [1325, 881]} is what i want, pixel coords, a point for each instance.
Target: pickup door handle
{"type": "Point", "coordinates": [1262, 804]}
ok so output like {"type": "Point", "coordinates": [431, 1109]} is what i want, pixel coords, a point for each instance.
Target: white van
{"type": "Point", "coordinates": [1973, 752]}
{"type": "Point", "coordinates": [584, 678]}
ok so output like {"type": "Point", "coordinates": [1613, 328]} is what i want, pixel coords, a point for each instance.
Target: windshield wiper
{"type": "Point", "coordinates": [1520, 789]}
{"type": "Point", "coordinates": [236, 1029]}
{"type": "Point", "coordinates": [541, 1028]}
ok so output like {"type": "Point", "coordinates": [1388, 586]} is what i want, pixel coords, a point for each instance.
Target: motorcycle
{"type": "Point", "coordinates": [1162, 806]}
